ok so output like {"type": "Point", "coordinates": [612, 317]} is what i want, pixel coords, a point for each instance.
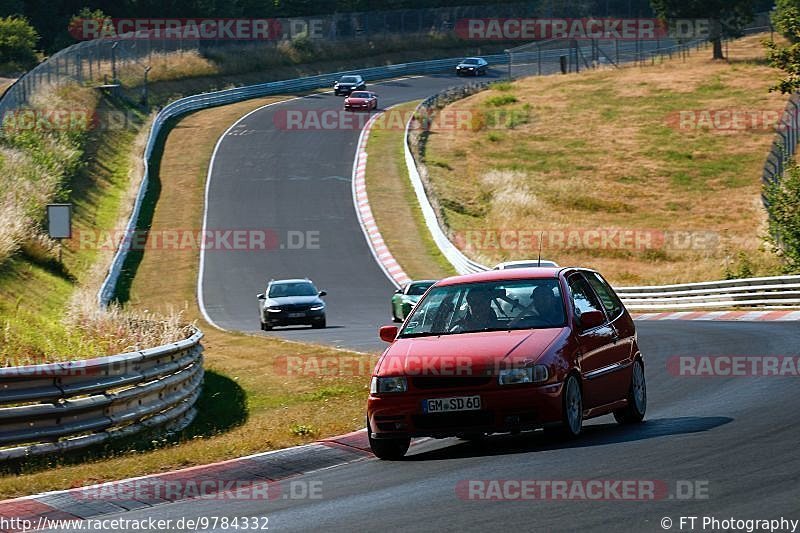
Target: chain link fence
{"type": "Point", "coordinates": [102, 61]}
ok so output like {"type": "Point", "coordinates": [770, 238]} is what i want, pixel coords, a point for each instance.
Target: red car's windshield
{"type": "Point", "coordinates": [359, 95]}
{"type": "Point", "coordinates": [488, 306]}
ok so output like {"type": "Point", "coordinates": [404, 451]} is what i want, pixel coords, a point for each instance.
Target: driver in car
{"type": "Point", "coordinates": [480, 314]}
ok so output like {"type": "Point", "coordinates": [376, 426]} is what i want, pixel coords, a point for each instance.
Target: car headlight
{"type": "Point", "coordinates": [390, 384]}
{"type": "Point", "coordinates": [531, 374]}
{"type": "Point", "coordinates": [318, 307]}
{"type": "Point", "coordinates": [273, 309]}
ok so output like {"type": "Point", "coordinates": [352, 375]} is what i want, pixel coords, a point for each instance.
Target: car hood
{"type": "Point", "coordinates": [293, 300]}
{"type": "Point", "coordinates": [357, 100]}
{"type": "Point", "coordinates": [462, 65]}
{"type": "Point", "coordinates": [480, 352]}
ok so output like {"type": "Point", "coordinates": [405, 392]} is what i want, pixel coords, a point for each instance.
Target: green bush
{"type": "Point", "coordinates": [17, 43]}
{"type": "Point", "coordinates": [784, 216]}
{"type": "Point", "coordinates": [501, 100]}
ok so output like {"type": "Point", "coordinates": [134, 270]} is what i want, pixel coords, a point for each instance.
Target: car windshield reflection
{"type": "Point", "coordinates": [488, 306]}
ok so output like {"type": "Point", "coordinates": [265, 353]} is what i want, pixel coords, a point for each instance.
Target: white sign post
{"type": "Point", "coordinates": [59, 223]}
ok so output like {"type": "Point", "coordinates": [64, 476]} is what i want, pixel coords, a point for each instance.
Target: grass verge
{"type": "Point", "coordinates": [394, 203]}
{"type": "Point", "coordinates": [250, 401]}
{"type": "Point", "coordinates": [616, 149]}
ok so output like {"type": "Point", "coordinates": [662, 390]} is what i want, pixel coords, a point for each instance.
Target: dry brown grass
{"type": "Point", "coordinates": [120, 330]}
{"type": "Point", "coordinates": [276, 402]}
{"type": "Point", "coordinates": [394, 203]}
{"type": "Point", "coordinates": [602, 150]}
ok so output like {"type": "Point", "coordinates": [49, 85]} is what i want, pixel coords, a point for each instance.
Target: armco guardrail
{"type": "Point", "coordinates": [61, 407]}
{"type": "Point", "coordinates": [202, 101]}
{"type": "Point", "coordinates": [769, 292]}
{"type": "Point", "coordinates": [460, 262]}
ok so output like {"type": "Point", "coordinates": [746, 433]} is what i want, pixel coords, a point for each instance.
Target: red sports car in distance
{"type": "Point", "coordinates": [359, 100]}
{"type": "Point", "coordinates": [506, 351]}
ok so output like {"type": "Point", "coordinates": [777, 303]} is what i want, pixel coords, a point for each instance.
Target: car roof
{"type": "Point", "coordinates": [296, 280]}
{"type": "Point", "coordinates": [524, 261]}
{"type": "Point", "coordinates": [503, 275]}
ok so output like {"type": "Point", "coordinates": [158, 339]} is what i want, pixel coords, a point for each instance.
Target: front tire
{"type": "Point", "coordinates": [633, 413]}
{"type": "Point", "coordinates": [320, 324]}
{"type": "Point", "coordinates": [265, 327]}
{"type": "Point", "coordinates": [388, 449]}
{"type": "Point", "coordinates": [571, 410]}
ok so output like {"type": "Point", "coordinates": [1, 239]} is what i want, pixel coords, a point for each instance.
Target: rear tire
{"type": "Point", "coordinates": [633, 413]}
{"type": "Point", "coordinates": [388, 449]}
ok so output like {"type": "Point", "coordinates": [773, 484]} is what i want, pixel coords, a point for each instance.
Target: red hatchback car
{"type": "Point", "coordinates": [361, 100]}
{"type": "Point", "coordinates": [506, 351]}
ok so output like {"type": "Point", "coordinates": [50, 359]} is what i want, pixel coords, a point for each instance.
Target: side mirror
{"type": "Point", "coordinates": [592, 319]}
{"type": "Point", "coordinates": [322, 293]}
{"type": "Point", "coordinates": [388, 333]}
{"type": "Point", "coordinates": [262, 296]}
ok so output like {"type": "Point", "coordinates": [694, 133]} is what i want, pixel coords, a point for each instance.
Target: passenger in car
{"type": "Point", "coordinates": [547, 305]}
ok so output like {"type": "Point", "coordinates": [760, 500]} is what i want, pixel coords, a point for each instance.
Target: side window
{"type": "Point", "coordinates": [610, 300]}
{"type": "Point", "coordinates": [583, 298]}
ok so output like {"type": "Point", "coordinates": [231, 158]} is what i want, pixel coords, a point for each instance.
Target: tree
{"type": "Point", "coordinates": [17, 42]}
{"type": "Point", "coordinates": [784, 216]}
{"type": "Point", "coordinates": [726, 18]}
{"type": "Point", "coordinates": [786, 58]}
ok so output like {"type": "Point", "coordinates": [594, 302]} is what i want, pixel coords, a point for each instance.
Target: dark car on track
{"type": "Point", "coordinates": [348, 84]}
{"type": "Point", "coordinates": [361, 101]}
{"type": "Point", "coordinates": [405, 298]}
{"type": "Point", "coordinates": [472, 66]}
{"type": "Point", "coordinates": [506, 351]}
{"type": "Point", "coordinates": [291, 302]}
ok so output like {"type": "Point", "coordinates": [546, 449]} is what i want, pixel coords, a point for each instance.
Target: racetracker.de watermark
{"type": "Point", "coordinates": [586, 239]}
{"type": "Point", "coordinates": [581, 489]}
{"type": "Point", "coordinates": [204, 487]}
{"type": "Point", "coordinates": [441, 120]}
{"type": "Point", "coordinates": [177, 29]}
{"type": "Point", "coordinates": [727, 366]}
{"type": "Point", "coordinates": [225, 240]}
{"type": "Point", "coordinates": [730, 120]}
{"type": "Point", "coordinates": [56, 119]}
{"type": "Point", "coordinates": [540, 29]}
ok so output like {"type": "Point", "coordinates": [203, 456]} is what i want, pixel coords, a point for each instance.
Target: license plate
{"type": "Point", "coordinates": [296, 315]}
{"type": "Point", "coordinates": [446, 405]}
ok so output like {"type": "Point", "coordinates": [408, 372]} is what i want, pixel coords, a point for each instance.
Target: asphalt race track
{"type": "Point", "coordinates": [299, 181]}
{"type": "Point", "coordinates": [735, 437]}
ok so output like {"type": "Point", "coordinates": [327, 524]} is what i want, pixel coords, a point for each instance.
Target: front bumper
{"type": "Point", "coordinates": [511, 408]}
{"type": "Point", "coordinates": [283, 318]}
